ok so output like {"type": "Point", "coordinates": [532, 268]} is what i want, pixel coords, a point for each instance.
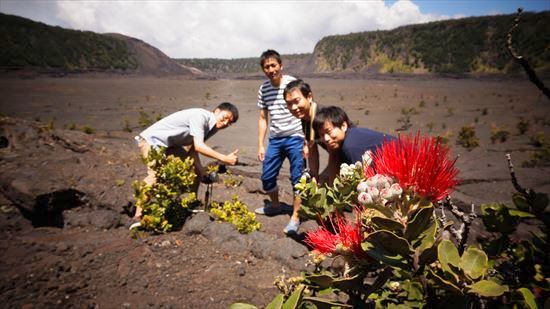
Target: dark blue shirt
{"type": "Point", "coordinates": [359, 140]}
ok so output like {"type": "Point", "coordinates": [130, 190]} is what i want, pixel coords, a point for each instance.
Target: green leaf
{"type": "Point", "coordinates": [323, 281]}
{"type": "Point", "coordinates": [381, 223]}
{"type": "Point", "coordinates": [326, 303]}
{"type": "Point", "coordinates": [519, 213]}
{"type": "Point", "coordinates": [414, 290]}
{"type": "Point", "coordinates": [277, 302]}
{"type": "Point", "coordinates": [445, 284]}
{"type": "Point", "coordinates": [294, 299]}
{"type": "Point", "coordinates": [447, 254]}
{"type": "Point", "coordinates": [421, 220]}
{"type": "Point", "coordinates": [474, 262]}
{"type": "Point", "coordinates": [497, 218]}
{"type": "Point", "coordinates": [529, 298]}
{"type": "Point", "coordinates": [520, 201]}
{"type": "Point", "coordinates": [488, 288]}
{"type": "Point", "coordinates": [242, 306]}
{"type": "Point", "coordinates": [540, 202]}
{"type": "Point", "coordinates": [428, 256]}
{"type": "Point", "coordinates": [346, 284]}
{"type": "Point", "coordinates": [387, 248]}
{"type": "Point", "coordinates": [426, 239]}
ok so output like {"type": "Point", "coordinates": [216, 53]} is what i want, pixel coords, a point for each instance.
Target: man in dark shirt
{"type": "Point", "coordinates": [345, 143]}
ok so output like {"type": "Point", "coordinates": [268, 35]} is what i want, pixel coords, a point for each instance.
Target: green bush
{"type": "Point", "coordinates": [165, 203]}
{"type": "Point", "coordinates": [523, 126]}
{"type": "Point", "coordinates": [236, 213]}
{"type": "Point", "coordinates": [499, 135]}
{"type": "Point", "coordinates": [467, 138]}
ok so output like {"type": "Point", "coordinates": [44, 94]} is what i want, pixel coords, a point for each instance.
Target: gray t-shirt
{"type": "Point", "coordinates": [179, 128]}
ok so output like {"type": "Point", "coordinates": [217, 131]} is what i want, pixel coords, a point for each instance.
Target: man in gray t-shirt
{"type": "Point", "coordinates": [183, 133]}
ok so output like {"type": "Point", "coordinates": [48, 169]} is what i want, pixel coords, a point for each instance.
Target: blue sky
{"type": "Point", "coordinates": [238, 28]}
{"type": "Point", "coordinates": [479, 7]}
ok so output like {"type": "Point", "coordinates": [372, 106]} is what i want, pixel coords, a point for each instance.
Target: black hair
{"type": "Point", "coordinates": [304, 87]}
{"type": "Point", "coordinates": [226, 106]}
{"type": "Point", "coordinates": [270, 53]}
{"type": "Point", "coordinates": [333, 114]}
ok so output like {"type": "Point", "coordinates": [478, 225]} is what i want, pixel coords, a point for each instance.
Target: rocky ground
{"type": "Point", "coordinates": [65, 243]}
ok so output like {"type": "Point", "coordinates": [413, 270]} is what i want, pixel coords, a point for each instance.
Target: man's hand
{"type": "Point", "coordinates": [306, 150]}
{"type": "Point", "coordinates": [232, 158]}
{"type": "Point", "coordinates": [261, 153]}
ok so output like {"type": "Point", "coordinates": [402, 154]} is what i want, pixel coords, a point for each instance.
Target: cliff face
{"type": "Point", "coordinates": [29, 44]}
{"type": "Point", "coordinates": [470, 45]}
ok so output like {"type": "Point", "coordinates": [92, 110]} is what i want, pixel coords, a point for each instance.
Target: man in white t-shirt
{"type": "Point", "coordinates": [286, 139]}
{"type": "Point", "coordinates": [184, 134]}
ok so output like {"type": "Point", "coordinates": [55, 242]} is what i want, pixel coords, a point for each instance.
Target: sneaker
{"type": "Point", "coordinates": [269, 210]}
{"type": "Point", "coordinates": [135, 225]}
{"type": "Point", "coordinates": [292, 227]}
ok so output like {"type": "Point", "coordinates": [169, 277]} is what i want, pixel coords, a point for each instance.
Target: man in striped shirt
{"type": "Point", "coordinates": [286, 139]}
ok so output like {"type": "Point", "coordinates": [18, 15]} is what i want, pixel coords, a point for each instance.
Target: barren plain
{"type": "Point", "coordinates": [90, 260]}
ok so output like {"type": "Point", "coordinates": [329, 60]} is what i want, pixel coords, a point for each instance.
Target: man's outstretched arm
{"type": "Point", "coordinates": [204, 149]}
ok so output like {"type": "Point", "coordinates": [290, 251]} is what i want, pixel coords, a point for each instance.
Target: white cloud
{"type": "Point", "coordinates": [234, 29]}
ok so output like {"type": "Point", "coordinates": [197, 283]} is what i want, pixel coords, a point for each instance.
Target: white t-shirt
{"type": "Point", "coordinates": [179, 128]}
{"type": "Point", "coordinates": [283, 123]}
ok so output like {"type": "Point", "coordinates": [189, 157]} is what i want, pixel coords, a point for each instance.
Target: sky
{"type": "Point", "coordinates": [238, 29]}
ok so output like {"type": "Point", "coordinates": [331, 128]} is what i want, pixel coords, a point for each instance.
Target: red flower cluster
{"type": "Point", "coordinates": [347, 238]}
{"type": "Point", "coordinates": [420, 163]}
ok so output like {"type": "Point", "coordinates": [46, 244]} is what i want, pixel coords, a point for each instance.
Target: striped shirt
{"type": "Point", "coordinates": [283, 123]}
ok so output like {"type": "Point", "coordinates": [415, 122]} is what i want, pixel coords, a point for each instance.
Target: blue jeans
{"type": "Point", "coordinates": [279, 148]}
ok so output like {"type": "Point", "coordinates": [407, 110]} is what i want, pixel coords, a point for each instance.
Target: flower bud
{"type": "Point", "coordinates": [386, 194]}
{"type": "Point", "coordinates": [362, 187]}
{"type": "Point", "coordinates": [383, 182]}
{"type": "Point", "coordinates": [396, 189]}
{"type": "Point", "coordinates": [364, 198]}
{"type": "Point", "coordinates": [374, 193]}
{"type": "Point", "coordinates": [371, 181]}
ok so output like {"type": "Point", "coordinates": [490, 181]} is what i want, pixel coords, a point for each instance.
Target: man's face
{"type": "Point", "coordinates": [272, 69]}
{"type": "Point", "coordinates": [223, 119]}
{"type": "Point", "coordinates": [297, 104]}
{"type": "Point", "coordinates": [332, 136]}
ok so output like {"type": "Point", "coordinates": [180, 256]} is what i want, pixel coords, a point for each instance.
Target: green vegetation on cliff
{"type": "Point", "coordinates": [476, 45]}
{"type": "Point", "coordinates": [240, 65]}
{"type": "Point", "coordinates": [26, 43]}
{"type": "Point", "coordinates": [469, 45]}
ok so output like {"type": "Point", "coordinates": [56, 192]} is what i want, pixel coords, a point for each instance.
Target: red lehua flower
{"type": "Point", "coordinates": [347, 237]}
{"type": "Point", "coordinates": [420, 163]}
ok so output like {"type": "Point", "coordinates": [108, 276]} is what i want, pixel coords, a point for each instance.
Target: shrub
{"type": "Point", "coordinates": [541, 156]}
{"type": "Point", "coordinates": [523, 126]}
{"type": "Point", "coordinates": [499, 135]}
{"type": "Point", "coordinates": [165, 203]}
{"type": "Point", "coordinates": [539, 139]}
{"type": "Point", "coordinates": [405, 120]}
{"type": "Point", "coordinates": [126, 127]}
{"type": "Point", "coordinates": [144, 121]}
{"type": "Point", "coordinates": [236, 213]}
{"type": "Point", "coordinates": [88, 129]}
{"type": "Point", "coordinates": [430, 126]}
{"type": "Point", "coordinates": [467, 138]}
{"type": "Point", "coordinates": [484, 112]}
{"type": "Point", "coordinates": [231, 180]}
